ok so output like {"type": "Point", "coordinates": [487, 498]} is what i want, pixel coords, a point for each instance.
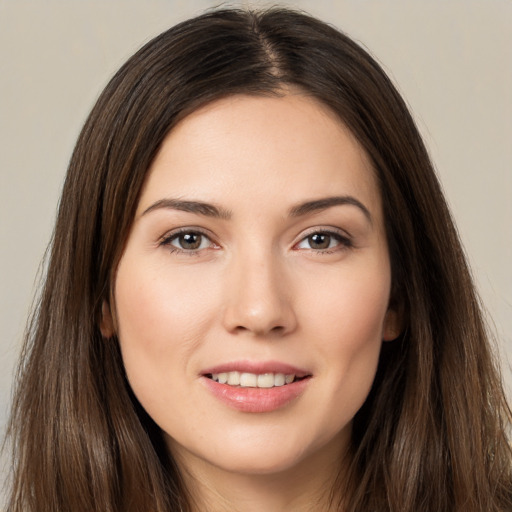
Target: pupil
{"type": "Point", "coordinates": [190, 241]}
{"type": "Point", "coordinates": [319, 241]}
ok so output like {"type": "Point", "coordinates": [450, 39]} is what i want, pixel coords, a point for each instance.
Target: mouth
{"type": "Point", "coordinates": [256, 387]}
{"type": "Point", "coordinates": [255, 380]}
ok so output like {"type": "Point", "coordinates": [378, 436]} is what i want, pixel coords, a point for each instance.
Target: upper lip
{"type": "Point", "coordinates": [257, 367]}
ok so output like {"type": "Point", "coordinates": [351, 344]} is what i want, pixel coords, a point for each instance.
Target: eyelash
{"type": "Point", "coordinates": [344, 241]}
{"type": "Point", "coordinates": [167, 240]}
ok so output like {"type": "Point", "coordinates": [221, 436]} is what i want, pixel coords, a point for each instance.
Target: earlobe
{"type": "Point", "coordinates": [392, 325]}
{"type": "Point", "coordinates": [107, 322]}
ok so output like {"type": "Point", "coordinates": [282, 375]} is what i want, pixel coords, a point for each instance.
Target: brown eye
{"type": "Point", "coordinates": [319, 241]}
{"type": "Point", "coordinates": [324, 242]}
{"type": "Point", "coordinates": [189, 241]}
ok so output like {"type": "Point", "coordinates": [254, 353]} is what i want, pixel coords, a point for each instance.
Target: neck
{"type": "Point", "coordinates": [308, 486]}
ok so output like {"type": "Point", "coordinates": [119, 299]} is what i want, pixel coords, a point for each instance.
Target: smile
{"type": "Point", "coordinates": [253, 380]}
{"type": "Point", "coordinates": [256, 387]}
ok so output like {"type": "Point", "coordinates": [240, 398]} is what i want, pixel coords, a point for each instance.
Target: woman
{"type": "Point", "coordinates": [256, 298]}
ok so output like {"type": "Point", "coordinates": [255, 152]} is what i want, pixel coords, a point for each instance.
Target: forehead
{"type": "Point", "coordinates": [290, 147]}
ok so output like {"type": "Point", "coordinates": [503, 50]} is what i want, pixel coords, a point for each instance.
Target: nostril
{"type": "Point", "coordinates": [255, 313]}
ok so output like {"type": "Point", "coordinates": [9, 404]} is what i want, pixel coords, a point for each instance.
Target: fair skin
{"type": "Point", "coordinates": [258, 247]}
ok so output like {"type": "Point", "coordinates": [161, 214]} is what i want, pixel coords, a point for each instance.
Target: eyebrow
{"type": "Point", "coordinates": [211, 210]}
{"type": "Point", "coordinates": [327, 202]}
{"type": "Point", "coordinates": [206, 209]}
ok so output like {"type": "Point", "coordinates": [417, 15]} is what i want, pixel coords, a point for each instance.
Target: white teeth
{"type": "Point", "coordinates": [234, 378]}
{"type": "Point", "coordinates": [253, 380]}
{"type": "Point", "coordinates": [280, 379]}
{"type": "Point", "coordinates": [248, 380]}
{"type": "Point", "coordinates": [266, 380]}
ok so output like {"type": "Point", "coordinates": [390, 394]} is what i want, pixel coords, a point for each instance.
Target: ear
{"type": "Point", "coordinates": [107, 322]}
{"type": "Point", "coordinates": [393, 324]}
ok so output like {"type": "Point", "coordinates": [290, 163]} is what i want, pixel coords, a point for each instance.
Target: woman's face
{"type": "Point", "coordinates": [252, 295]}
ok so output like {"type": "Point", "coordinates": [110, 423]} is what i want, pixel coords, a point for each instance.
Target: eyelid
{"type": "Point", "coordinates": [325, 229]}
{"type": "Point", "coordinates": [331, 230]}
{"type": "Point", "coordinates": [345, 238]}
{"type": "Point", "coordinates": [165, 240]}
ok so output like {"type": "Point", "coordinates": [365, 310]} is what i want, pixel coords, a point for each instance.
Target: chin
{"type": "Point", "coordinates": [262, 467]}
{"type": "Point", "coordinates": [266, 462]}
{"type": "Point", "coordinates": [264, 453]}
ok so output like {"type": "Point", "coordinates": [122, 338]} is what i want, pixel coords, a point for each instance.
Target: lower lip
{"type": "Point", "coordinates": [256, 399]}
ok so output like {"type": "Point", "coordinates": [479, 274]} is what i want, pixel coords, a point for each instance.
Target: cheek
{"type": "Point", "coordinates": [160, 324]}
{"type": "Point", "coordinates": [348, 307]}
{"type": "Point", "coordinates": [347, 324]}
{"type": "Point", "coordinates": [153, 302]}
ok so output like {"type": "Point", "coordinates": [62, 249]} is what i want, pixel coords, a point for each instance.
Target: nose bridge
{"type": "Point", "coordinates": [257, 298]}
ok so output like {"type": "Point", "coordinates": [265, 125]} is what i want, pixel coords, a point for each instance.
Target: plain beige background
{"type": "Point", "coordinates": [451, 59]}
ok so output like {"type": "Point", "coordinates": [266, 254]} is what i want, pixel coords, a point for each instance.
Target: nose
{"type": "Point", "coordinates": [258, 299]}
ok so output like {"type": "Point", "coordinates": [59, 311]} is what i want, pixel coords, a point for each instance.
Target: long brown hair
{"type": "Point", "coordinates": [432, 434]}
